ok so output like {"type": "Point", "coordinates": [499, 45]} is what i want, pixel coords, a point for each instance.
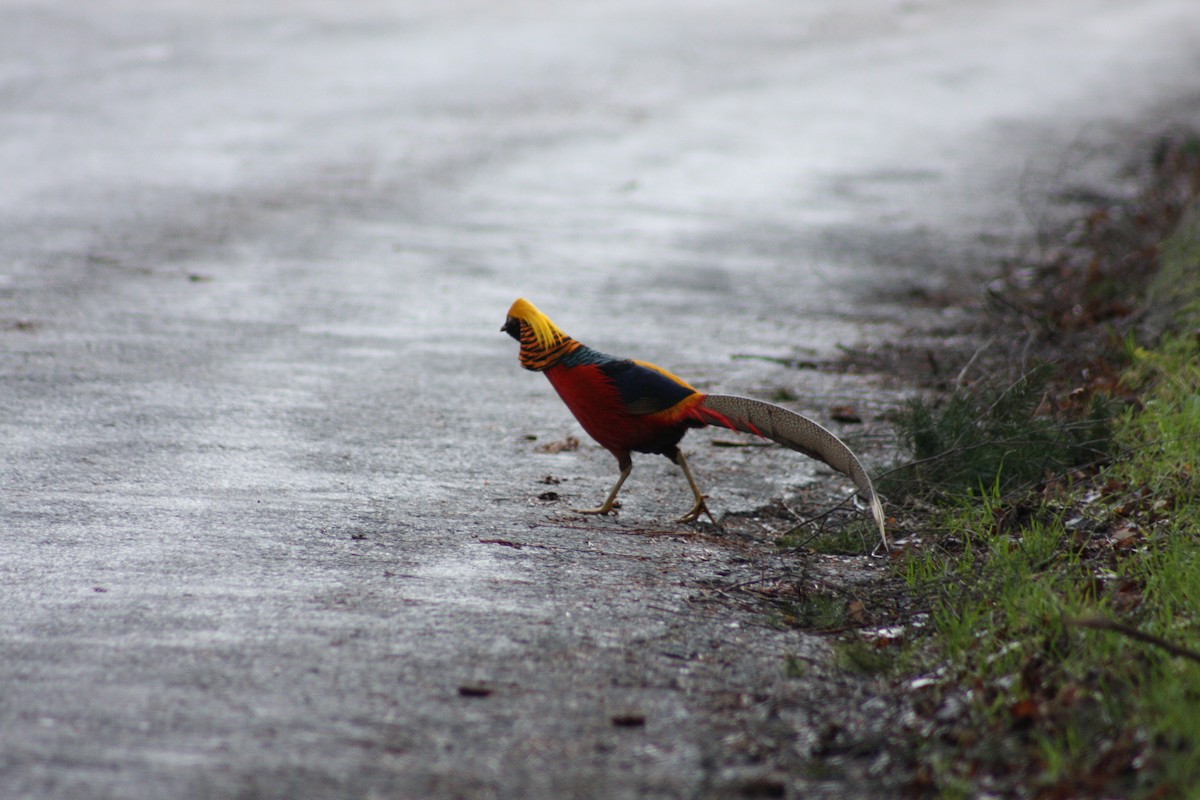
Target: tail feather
{"type": "Point", "coordinates": [796, 432]}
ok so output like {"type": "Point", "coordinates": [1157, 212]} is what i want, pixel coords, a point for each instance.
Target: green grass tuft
{"type": "Point", "coordinates": [988, 436]}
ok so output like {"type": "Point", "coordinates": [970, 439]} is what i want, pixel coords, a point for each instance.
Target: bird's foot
{"type": "Point", "coordinates": [607, 508]}
{"type": "Point", "coordinates": [697, 510]}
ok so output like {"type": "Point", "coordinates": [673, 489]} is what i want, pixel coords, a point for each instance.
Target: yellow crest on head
{"type": "Point", "coordinates": [542, 343]}
{"type": "Point", "coordinates": [546, 332]}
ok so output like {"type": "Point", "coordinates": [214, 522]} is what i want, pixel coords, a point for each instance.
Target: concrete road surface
{"type": "Point", "coordinates": [274, 519]}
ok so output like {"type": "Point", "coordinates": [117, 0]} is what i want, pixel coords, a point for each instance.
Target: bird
{"type": "Point", "coordinates": [630, 406]}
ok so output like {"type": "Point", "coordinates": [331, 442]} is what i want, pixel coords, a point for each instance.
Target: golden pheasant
{"type": "Point", "coordinates": [633, 406]}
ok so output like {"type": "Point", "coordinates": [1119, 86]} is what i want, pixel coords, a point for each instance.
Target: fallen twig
{"type": "Point", "coordinates": [1103, 624]}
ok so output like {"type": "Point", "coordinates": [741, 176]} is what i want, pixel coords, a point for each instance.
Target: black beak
{"type": "Point", "coordinates": [512, 326]}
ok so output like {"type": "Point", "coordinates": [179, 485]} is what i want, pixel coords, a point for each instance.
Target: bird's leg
{"type": "Point", "coordinates": [699, 507]}
{"type": "Point", "coordinates": [606, 507]}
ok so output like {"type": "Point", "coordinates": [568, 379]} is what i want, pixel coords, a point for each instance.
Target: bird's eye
{"type": "Point", "coordinates": [512, 326]}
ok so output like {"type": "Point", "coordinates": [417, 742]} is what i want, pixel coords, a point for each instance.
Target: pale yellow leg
{"type": "Point", "coordinates": [607, 506]}
{"type": "Point", "coordinates": [699, 508]}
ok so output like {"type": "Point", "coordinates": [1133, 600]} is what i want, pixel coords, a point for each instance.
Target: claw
{"type": "Point", "coordinates": [700, 508]}
{"type": "Point", "coordinates": [607, 508]}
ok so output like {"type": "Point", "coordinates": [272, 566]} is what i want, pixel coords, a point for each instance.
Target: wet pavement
{"type": "Point", "coordinates": [275, 520]}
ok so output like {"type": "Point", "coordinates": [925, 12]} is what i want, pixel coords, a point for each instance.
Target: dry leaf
{"type": "Point", "coordinates": [845, 414]}
{"type": "Point", "coordinates": [566, 445]}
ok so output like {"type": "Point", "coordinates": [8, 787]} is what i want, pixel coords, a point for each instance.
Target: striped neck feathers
{"type": "Point", "coordinates": [543, 344]}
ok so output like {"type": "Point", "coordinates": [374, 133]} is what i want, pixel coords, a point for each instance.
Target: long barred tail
{"type": "Point", "coordinates": [796, 432]}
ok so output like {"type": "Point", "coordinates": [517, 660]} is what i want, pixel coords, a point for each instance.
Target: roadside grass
{"type": "Point", "coordinates": [1004, 434]}
{"type": "Point", "coordinates": [1060, 575]}
{"type": "Point", "coordinates": [1039, 624]}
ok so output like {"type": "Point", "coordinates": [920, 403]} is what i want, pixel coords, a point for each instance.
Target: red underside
{"type": "Point", "coordinates": [598, 406]}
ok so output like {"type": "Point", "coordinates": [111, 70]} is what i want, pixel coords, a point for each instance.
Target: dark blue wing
{"type": "Point", "coordinates": [644, 390]}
